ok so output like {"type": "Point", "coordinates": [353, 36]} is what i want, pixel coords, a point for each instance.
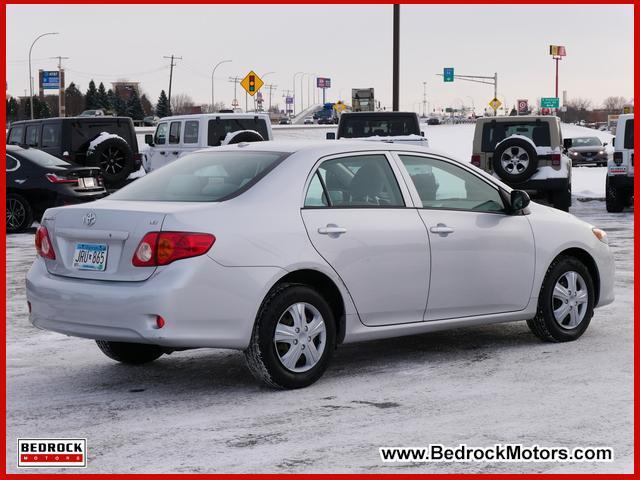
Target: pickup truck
{"type": "Point", "coordinates": [397, 127]}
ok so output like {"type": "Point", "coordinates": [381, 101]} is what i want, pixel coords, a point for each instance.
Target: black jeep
{"type": "Point", "coordinates": [75, 139]}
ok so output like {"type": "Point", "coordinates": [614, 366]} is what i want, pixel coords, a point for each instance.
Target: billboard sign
{"type": "Point", "coordinates": [50, 80]}
{"type": "Point", "coordinates": [322, 82]}
{"type": "Point", "coordinates": [523, 107]}
{"type": "Point", "coordinates": [557, 50]}
{"type": "Point", "coordinates": [289, 100]}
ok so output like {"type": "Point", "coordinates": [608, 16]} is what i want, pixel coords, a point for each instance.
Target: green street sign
{"type": "Point", "coordinates": [550, 102]}
{"type": "Point", "coordinates": [449, 110]}
{"type": "Point", "coordinates": [448, 74]}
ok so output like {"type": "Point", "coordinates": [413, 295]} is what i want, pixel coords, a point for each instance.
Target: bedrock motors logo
{"type": "Point", "coordinates": [52, 452]}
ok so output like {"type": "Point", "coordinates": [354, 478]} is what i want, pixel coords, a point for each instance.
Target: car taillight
{"type": "Point", "coordinates": [555, 159]}
{"type": "Point", "coordinates": [53, 178]}
{"type": "Point", "coordinates": [617, 158]}
{"type": "Point", "coordinates": [162, 248]}
{"type": "Point", "coordinates": [43, 243]}
{"type": "Point", "coordinates": [475, 160]}
{"type": "Point", "coordinates": [137, 157]}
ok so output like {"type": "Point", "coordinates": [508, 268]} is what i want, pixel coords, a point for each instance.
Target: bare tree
{"type": "Point", "coordinates": [181, 103]}
{"type": "Point", "coordinates": [207, 108]}
{"type": "Point", "coordinates": [614, 104]}
{"type": "Point", "coordinates": [579, 103]}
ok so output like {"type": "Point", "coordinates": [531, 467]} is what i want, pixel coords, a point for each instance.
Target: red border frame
{"type": "Point", "coordinates": [3, 404]}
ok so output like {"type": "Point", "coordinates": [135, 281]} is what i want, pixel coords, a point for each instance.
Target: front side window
{"type": "Point", "coordinates": [357, 181]}
{"type": "Point", "coordinates": [32, 135]}
{"type": "Point", "coordinates": [15, 135]}
{"type": "Point", "coordinates": [442, 185]}
{"type": "Point", "coordinates": [202, 177]}
{"type": "Point", "coordinates": [191, 131]}
{"type": "Point", "coordinates": [174, 132]}
{"type": "Point", "coordinates": [628, 134]}
{"type": "Point", "coordinates": [161, 134]}
{"type": "Point", "coordinates": [494, 132]}
{"type": "Point", "coordinates": [51, 135]}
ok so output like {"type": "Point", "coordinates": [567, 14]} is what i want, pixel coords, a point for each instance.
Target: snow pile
{"type": "Point", "coordinates": [101, 138]}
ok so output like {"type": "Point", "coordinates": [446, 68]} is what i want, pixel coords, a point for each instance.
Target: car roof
{"type": "Point", "coordinates": [88, 118]}
{"type": "Point", "coordinates": [206, 116]}
{"type": "Point", "coordinates": [519, 118]}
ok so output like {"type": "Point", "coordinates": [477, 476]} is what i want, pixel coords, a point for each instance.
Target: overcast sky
{"type": "Point", "coordinates": [351, 44]}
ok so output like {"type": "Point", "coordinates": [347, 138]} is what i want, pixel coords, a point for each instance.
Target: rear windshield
{"type": "Point", "coordinates": [41, 158]}
{"type": "Point", "coordinates": [202, 177]}
{"type": "Point", "coordinates": [494, 132]}
{"type": "Point", "coordinates": [219, 128]}
{"type": "Point", "coordinates": [628, 134]}
{"type": "Point", "coordinates": [359, 127]}
{"type": "Point", "coordinates": [586, 142]}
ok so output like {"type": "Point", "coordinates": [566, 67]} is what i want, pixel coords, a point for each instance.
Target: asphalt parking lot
{"type": "Point", "coordinates": [201, 411]}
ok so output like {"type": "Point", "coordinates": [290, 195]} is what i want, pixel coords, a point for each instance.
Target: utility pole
{"type": "Point", "coordinates": [396, 57]}
{"type": "Point", "coordinates": [61, 105]}
{"type": "Point", "coordinates": [271, 88]}
{"type": "Point", "coordinates": [294, 91]}
{"type": "Point", "coordinates": [172, 57]}
{"type": "Point", "coordinates": [285, 94]}
{"type": "Point", "coordinates": [236, 81]}
{"type": "Point", "coordinates": [424, 99]}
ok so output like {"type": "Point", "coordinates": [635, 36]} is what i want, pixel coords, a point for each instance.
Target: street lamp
{"type": "Point", "coordinates": [263, 77]}
{"type": "Point", "coordinates": [30, 77]}
{"type": "Point", "coordinates": [212, 83]}
{"type": "Point", "coordinates": [294, 91]}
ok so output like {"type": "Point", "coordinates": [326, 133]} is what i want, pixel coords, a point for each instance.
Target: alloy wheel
{"type": "Point", "coordinates": [515, 160]}
{"type": "Point", "coordinates": [112, 160]}
{"type": "Point", "coordinates": [570, 300]}
{"type": "Point", "coordinates": [16, 213]}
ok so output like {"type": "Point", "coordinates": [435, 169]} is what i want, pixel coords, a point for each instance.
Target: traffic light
{"type": "Point", "coordinates": [252, 83]}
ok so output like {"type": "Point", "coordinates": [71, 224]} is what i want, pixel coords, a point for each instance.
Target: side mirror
{"type": "Point", "coordinates": [421, 133]}
{"type": "Point", "coordinates": [148, 139]}
{"type": "Point", "coordinates": [331, 136]}
{"type": "Point", "coordinates": [605, 144]}
{"type": "Point", "coordinates": [567, 143]}
{"type": "Point", "coordinates": [519, 200]}
{"type": "Point", "coordinates": [613, 142]}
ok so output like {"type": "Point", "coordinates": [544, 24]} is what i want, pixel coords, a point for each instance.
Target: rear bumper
{"type": "Point", "coordinates": [203, 303]}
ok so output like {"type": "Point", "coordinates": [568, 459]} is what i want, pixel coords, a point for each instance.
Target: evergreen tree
{"type": "Point", "coordinates": [162, 107]}
{"type": "Point", "coordinates": [74, 100]}
{"type": "Point", "coordinates": [91, 97]}
{"type": "Point", "coordinates": [13, 109]}
{"type": "Point", "coordinates": [112, 99]}
{"type": "Point", "coordinates": [134, 107]}
{"type": "Point", "coordinates": [147, 108]}
{"type": "Point", "coordinates": [103, 98]}
{"type": "Point", "coordinates": [43, 109]}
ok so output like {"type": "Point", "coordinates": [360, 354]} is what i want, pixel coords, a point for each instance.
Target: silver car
{"type": "Point", "coordinates": [287, 249]}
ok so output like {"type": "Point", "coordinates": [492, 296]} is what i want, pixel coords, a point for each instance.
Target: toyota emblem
{"type": "Point", "coordinates": [89, 219]}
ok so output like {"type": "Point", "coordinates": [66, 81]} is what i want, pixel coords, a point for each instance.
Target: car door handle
{"type": "Point", "coordinates": [176, 153]}
{"type": "Point", "coordinates": [441, 229]}
{"type": "Point", "coordinates": [331, 230]}
{"type": "Point", "coordinates": [161, 153]}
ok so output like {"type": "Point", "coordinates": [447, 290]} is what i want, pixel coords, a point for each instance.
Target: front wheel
{"type": "Point", "coordinates": [566, 302]}
{"type": "Point", "coordinates": [19, 213]}
{"type": "Point", "coordinates": [130, 353]}
{"type": "Point", "coordinates": [293, 338]}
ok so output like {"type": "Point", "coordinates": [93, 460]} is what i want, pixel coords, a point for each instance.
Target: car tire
{"type": "Point", "coordinates": [614, 198]}
{"type": "Point", "coordinates": [19, 213]}
{"type": "Point", "coordinates": [130, 353]}
{"type": "Point", "coordinates": [562, 199]}
{"type": "Point", "coordinates": [562, 316]}
{"type": "Point", "coordinates": [115, 158]}
{"type": "Point", "coordinates": [515, 160]}
{"type": "Point", "coordinates": [272, 356]}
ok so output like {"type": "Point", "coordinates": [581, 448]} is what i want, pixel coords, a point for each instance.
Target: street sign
{"type": "Point", "coordinates": [448, 74]}
{"type": "Point", "coordinates": [323, 82]}
{"type": "Point", "coordinates": [252, 83]}
{"type": "Point", "coordinates": [289, 100]}
{"type": "Point", "coordinates": [523, 107]}
{"type": "Point", "coordinates": [50, 80]}
{"type": "Point", "coordinates": [339, 107]}
{"type": "Point", "coordinates": [557, 51]}
{"type": "Point", "coordinates": [627, 109]}
{"type": "Point", "coordinates": [449, 110]}
{"type": "Point", "coordinates": [495, 104]}
{"type": "Point", "coordinates": [550, 102]}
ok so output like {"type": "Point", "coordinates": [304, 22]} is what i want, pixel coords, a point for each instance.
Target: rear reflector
{"type": "Point", "coordinates": [43, 243]}
{"type": "Point", "coordinates": [475, 160]}
{"type": "Point", "coordinates": [162, 248]}
{"type": "Point", "coordinates": [555, 159]}
{"type": "Point", "coordinates": [53, 178]}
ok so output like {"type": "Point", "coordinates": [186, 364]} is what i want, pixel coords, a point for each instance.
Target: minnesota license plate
{"type": "Point", "coordinates": [89, 182]}
{"type": "Point", "coordinates": [90, 256]}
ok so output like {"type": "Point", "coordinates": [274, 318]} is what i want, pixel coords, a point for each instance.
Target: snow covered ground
{"type": "Point", "coordinates": [201, 411]}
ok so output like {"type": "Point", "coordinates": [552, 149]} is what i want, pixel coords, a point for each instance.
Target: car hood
{"type": "Point", "coordinates": [587, 149]}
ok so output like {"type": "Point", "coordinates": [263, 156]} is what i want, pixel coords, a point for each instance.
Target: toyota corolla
{"type": "Point", "coordinates": [286, 250]}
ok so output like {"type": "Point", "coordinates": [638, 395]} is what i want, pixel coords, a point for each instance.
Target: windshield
{"type": "Point", "coordinates": [358, 127]}
{"type": "Point", "coordinates": [41, 158]}
{"type": "Point", "coordinates": [202, 177]}
{"type": "Point", "coordinates": [628, 134]}
{"type": "Point", "coordinates": [494, 132]}
{"type": "Point", "coordinates": [586, 142]}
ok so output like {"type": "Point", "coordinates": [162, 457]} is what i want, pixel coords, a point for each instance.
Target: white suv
{"type": "Point", "coordinates": [619, 186]}
{"type": "Point", "coordinates": [176, 136]}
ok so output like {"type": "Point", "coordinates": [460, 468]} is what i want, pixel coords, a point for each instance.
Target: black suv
{"type": "Point", "coordinates": [404, 126]}
{"type": "Point", "coordinates": [75, 139]}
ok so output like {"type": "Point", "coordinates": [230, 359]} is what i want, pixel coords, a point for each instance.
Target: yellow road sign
{"type": "Point", "coordinates": [495, 104]}
{"type": "Point", "coordinates": [252, 83]}
{"type": "Point", "coordinates": [339, 107]}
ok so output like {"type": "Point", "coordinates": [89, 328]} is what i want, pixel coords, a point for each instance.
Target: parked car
{"type": "Point", "coordinates": [37, 181]}
{"type": "Point", "coordinates": [370, 240]}
{"type": "Point", "coordinates": [527, 153]}
{"type": "Point", "coordinates": [588, 151]}
{"type": "Point", "coordinates": [176, 136]}
{"type": "Point", "coordinates": [92, 113]}
{"type": "Point", "coordinates": [99, 141]}
{"type": "Point", "coordinates": [150, 121]}
{"type": "Point", "coordinates": [309, 121]}
{"type": "Point", "coordinates": [619, 183]}
{"type": "Point", "coordinates": [284, 121]}
{"type": "Point", "coordinates": [403, 127]}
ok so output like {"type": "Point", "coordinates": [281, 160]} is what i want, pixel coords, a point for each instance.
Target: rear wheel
{"type": "Point", "coordinates": [19, 213]}
{"type": "Point", "coordinates": [562, 199]}
{"type": "Point", "coordinates": [115, 157]}
{"type": "Point", "coordinates": [566, 302]}
{"type": "Point", "coordinates": [130, 353]}
{"type": "Point", "coordinates": [614, 198]}
{"type": "Point", "coordinates": [515, 160]}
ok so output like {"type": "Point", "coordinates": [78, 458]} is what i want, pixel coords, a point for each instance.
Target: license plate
{"type": "Point", "coordinates": [90, 256]}
{"type": "Point", "coordinates": [617, 170]}
{"type": "Point", "coordinates": [88, 182]}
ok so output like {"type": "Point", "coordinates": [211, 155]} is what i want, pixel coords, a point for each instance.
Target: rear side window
{"type": "Point", "coordinates": [494, 132]}
{"type": "Point", "coordinates": [202, 177]}
{"type": "Point", "coordinates": [219, 128]}
{"type": "Point", "coordinates": [12, 163]}
{"type": "Point", "coordinates": [191, 131]}
{"type": "Point", "coordinates": [628, 134]}
{"type": "Point", "coordinates": [15, 135]}
{"type": "Point", "coordinates": [33, 132]}
{"type": "Point", "coordinates": [161, 134]}
{"type": "Point", "coordinates": [358, 127]}
{"type": "Point", "coordinates": [51, 135]}
{"type": "Point", "coordinates": [42, 158]}
{"type": "Point", "coordinates": [174, 132]}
